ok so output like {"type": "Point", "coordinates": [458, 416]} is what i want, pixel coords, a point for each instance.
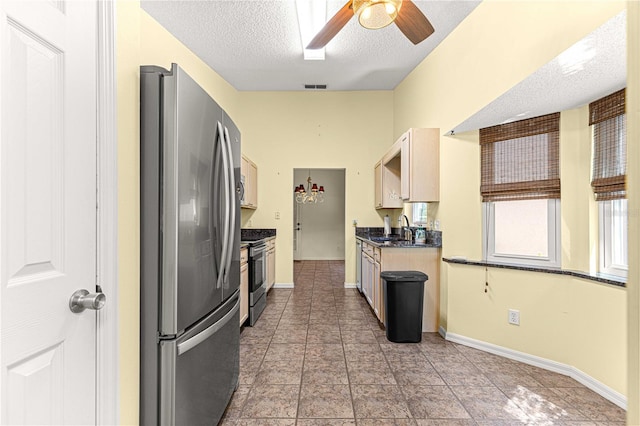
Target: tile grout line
{"type": "Point", "coordinates": [304, 355]}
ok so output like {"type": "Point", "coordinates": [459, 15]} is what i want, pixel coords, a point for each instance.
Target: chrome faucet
{"type": "Point", "coordinates": [408, 235]}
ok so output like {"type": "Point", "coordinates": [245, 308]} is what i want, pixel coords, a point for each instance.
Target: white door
{"type": "Point", "coordinates": [47, 210]}
{"type": "Point", "coordinates": [297, 231]}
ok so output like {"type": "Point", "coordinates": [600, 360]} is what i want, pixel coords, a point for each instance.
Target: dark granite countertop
{"type": "Point", "coordinates": [252, 235]}
{"type": "Point", "coordinates": [601, 278]}
{"type": "Point", "coordinates": [375, 236]}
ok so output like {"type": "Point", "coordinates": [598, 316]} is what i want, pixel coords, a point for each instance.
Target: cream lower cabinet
{"type": "Point", "coordinates": [271, 263]}
{"type": "Point", "coordinates": [378, 302]}
{"type": "Point", "coordinates": [367, 272]}
{"type": "Point", "coordinates": [371, 278]}
{"type": "Point", "coordinates": [244, 285]}
{"type": "Point", "coordinates": [376, 260]}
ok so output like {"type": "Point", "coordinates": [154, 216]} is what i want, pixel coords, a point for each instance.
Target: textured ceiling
{"type": "Point", "coordinates": [592, 68]}
{"type": "Point", "coordinates": [255, 44]}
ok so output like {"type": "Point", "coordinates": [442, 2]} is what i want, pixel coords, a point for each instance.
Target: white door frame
{"type": "Point", "coordinates": [107, 343]}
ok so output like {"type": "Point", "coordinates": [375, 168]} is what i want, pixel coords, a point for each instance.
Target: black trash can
{"type": "Point", "coordinates": [403, 303]}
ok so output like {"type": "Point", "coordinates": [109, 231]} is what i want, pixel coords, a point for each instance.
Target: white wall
{"type": "Point", "coordinates": [322, 225]}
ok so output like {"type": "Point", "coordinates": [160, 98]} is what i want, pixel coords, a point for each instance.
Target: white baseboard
{"type": "Point", "coordinates": [319, 258]}
{"type": "Point", "coordinates": [442, 332]}
{"type": "Point", "coordinates": [568, 370]}
{"type": "Point", "coordinates": [350, 285]}
{"type": "Point", "coordinates": [283, 285]}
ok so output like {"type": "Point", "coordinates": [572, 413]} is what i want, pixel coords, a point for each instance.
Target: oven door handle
{"type": "Point", "coordinates": [256, 250]}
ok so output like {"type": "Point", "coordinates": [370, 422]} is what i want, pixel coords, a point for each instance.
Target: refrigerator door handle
{"type": "Point", "coordinates": [231, 203]}
{"type": "Point", "coordinates": [225, 238]}
{"type": "Point", "coordinates": [209, 331]}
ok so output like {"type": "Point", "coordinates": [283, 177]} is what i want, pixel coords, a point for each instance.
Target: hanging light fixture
{"type": "Point", "coordinates": [375, 14]}
{"type": "Point", "coordinates": [312, 195]}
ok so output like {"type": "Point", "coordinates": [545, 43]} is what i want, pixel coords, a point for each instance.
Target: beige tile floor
{"type": "Point", "coordinates": [317, 356]}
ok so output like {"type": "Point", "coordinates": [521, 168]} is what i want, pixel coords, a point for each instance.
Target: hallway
{"type": "Point", "coordinates": [318, 356]}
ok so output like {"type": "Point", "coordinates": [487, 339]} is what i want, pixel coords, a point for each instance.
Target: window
{"type": "Point", "coordinates": [520, 189]}
{"type": "Point", "coordinates": [522, 232]}
{"type": "Point", "coordinates": [608, 180]}
{"type": "Point", "coordinates": [613, 237]}
{"type": "Point", "coordinates": [419, 213]}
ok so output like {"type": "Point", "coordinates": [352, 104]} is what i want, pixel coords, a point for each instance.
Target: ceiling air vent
{"type": "Point", "coordinates": [315, 86]}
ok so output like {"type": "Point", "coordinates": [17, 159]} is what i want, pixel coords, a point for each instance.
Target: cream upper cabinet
{"type": "Point", "coordinates": [420, 164]}
{"type": "Point", "coordinates": [387, 185]}
{"type": "Point", "coordinates": [410, 171]}
{"type": "Point", "coordinates": [249, 177]}
{"type": "Point", "coordinates": [378, 185]}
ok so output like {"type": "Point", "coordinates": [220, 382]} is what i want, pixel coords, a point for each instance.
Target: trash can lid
{"type": "Point", "coordinates": [403, 276]}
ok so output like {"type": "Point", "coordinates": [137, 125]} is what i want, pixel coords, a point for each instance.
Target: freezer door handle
{"type": "Point", "coordinates": [225, 237]}
{"type": "Point", "coordinates": [208, 332]}
{"type": "Point", "coordinates": [231, 202]}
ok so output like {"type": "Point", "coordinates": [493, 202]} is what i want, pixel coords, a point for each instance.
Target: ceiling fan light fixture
{"type": "Point", "coordinates": [312, 15]}
{"type": "Point", "coordinates": [375, 14]}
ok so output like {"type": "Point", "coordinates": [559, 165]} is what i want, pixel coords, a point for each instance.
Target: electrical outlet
{"type": "Point", "coordinates": [514, 317]}
{"type": "Point", "coordinates": [277, 215]}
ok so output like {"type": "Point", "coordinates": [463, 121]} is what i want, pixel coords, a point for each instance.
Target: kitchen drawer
{"type": "Point", "coordinates": [244, 255]}
{"type": "Point", "coordinates": [376, 254]}
{"type": "Point", "coordinates": [368, 249]}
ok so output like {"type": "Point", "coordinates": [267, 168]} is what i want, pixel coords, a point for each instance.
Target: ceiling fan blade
{"type": "Point", "coordinates": [412, 22]}
{"type": "Point", "coordinates": [331, 28]}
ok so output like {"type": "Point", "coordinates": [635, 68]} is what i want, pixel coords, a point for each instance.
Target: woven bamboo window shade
{"type": "Point", "coordinates": [520, 160]}
{"type": "Point", "coordinates": [609, 168]}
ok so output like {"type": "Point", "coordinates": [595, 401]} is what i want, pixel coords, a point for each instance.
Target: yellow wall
{"type": "Point", "coordinates": [568, 320]}
{"type": "Point", "coordinates": [575, 322]}
{"type": "Point", "coordinates": [127, 60]}
{"type": "Point", "coordinates": [633, 190]}
{"type": "Point", "coordinates": [579, 211]}
{"type": "Point", "coordinates": [159, 47]}
{"type": "Point", "coordinates": [142, 41]}
{"type": "Point", "coordinates": [282, 131]}
{"type": "Point", "coordinates": [560, 315]}
{"type": "Point", "coordinates": [473, 66]}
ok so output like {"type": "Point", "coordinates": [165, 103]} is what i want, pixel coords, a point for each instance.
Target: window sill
{"type": "Point", "coordinates": [600, 278]}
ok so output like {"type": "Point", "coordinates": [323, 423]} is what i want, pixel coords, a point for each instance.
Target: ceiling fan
{"type": "Point", "coordinates": [374, 14]}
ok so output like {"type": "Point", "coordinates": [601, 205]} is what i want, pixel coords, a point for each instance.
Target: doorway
{"type": "Point", "coordinates": [319, 227]}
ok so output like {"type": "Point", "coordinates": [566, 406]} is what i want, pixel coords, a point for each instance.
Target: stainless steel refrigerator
{"type": "Point", "coordinates": [190, 253]}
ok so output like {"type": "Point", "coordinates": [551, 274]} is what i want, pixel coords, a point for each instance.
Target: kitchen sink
{"type": "Point", "coordinates": [385, 239]}
{"type": "Point", "coordinates": [394, 241]}
{"type": "Point", "coordinates": [398, 243]}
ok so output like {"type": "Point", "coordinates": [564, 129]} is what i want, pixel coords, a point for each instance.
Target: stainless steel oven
{"type": "Point", "coordinates": [257, 280]}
